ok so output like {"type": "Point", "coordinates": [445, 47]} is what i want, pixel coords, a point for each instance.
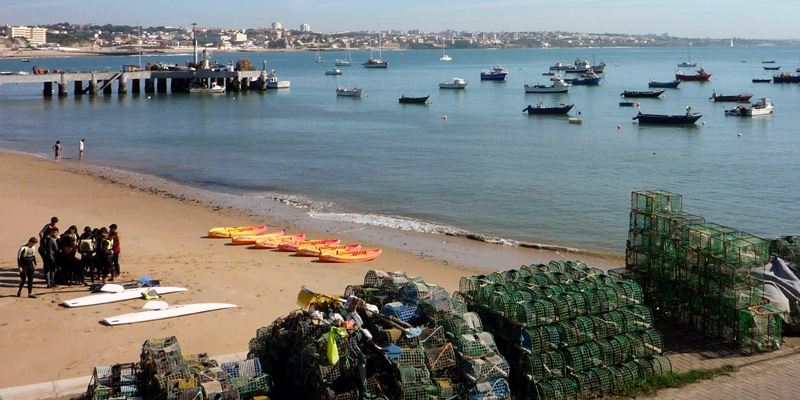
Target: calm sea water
{"type": "Point", "coordinates": [487, 168]}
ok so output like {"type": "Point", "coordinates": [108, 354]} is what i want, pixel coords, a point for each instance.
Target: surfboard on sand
{"type": "Point", "coordinates": [154, 310]}
{"type": "Point", "coordinates": [114, 293]}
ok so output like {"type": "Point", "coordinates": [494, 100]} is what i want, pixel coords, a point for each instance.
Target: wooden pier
{"type": "Point", "coordinates": [92, 83]}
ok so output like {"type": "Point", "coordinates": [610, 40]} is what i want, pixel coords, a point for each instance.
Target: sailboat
{"type": "Point", "coordinates": [376, 62]}
{"type": "Point", "coordinates": [319, 58]}
{"type": "Point", "coordinates": [688, 64]}
{"type": "Point", "coordinates": [445, 57]}
{"type": "Point", "coordinates": [345, 63]}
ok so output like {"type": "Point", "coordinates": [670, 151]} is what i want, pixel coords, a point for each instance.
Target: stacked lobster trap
{"type": "Point", "coordinates": [569, 330]}
{"type": "Point", "coordinates": [163, 372]}
{"type": "Point", "coordinates": [395, 337]}
{"type": "Point", "coordinates": [700, 274]}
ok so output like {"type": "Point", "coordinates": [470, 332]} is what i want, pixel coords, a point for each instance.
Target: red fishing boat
{"type": "Point", "coordinates": [700, 76]}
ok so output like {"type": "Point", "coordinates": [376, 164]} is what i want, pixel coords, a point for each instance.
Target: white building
{"type": "Point", "coordinates": [277, 25]}
{"type": "Point", "coordinates": [305, 28]}
{"type": "Point", "coordinates": [239, 37]}
{"type": "Point", "coordinates": [37, 36]}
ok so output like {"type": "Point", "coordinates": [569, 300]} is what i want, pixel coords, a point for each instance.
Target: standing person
{"type": "Point", "coordinates": [26, 262]}
{"type": "Point", "coordinates": [48, 227]}
{"type": "Point", "coordinates": [113, 235]}
{"type": "Point", "coordinates": [49, 252]}
{"type": "Point", "coordinates": [68, 263]}
{"type": "Point", "coordinates": [104, 255]}
{"type": "Point", "coordinates": [57, 150]}
{"type": "Point", "coordinates": [80, 150]}
{"type": "Point", "coordinates": [86, 248]}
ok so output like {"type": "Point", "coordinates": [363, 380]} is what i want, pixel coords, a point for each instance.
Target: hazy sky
{"type": "Point", "coordinates": [695, 18]}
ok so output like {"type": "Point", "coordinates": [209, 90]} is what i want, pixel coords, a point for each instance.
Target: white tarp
{"type": "Point", "coordinates": [782, 288]}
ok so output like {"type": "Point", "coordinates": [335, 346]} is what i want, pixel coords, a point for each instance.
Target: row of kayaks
{"type": "Point", "coordinates": [327, 250]}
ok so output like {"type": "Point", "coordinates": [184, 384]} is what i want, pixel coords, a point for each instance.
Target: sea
{"type": "Point", "coordinates": [468, 162]}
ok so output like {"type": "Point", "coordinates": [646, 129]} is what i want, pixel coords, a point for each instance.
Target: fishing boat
{"type": "Point", "coordinates": [348, 256]}
{"type": "Point", "coordinates": [413, 100]}
{"type": "Point", "coordinates": [700, 76]}
{"type": "Point", "coordinates": [333, 71]}
{"type": "Point", "coordinates": [213, 88]}
{"type": "Point", "coordinates": [589, 79]}
{"type": "Point", "coordinates": [762, 80]}
{"type": "Point", "coordinates": [664, 85]}
{"type": "Point", "coordinates": [561, 67]}
{"type": "Point", "coordinates": [689, 63]}
{"type": "Point", "coordinates": [579, 67]}
{"type": "Point", "coordinates": [786, 78]}
{"type": "Point", "coordinates": [768, 62]}
{"type": "Point", "coordinates": [740, 98]}
{"type": "Point", "coordinates": [25, 60]}
{"type": "Point", "coordinates": [762, 107]}
{"type": "Point", "coordinates": [354, 92]}
{"type": "Point", "coordinates": [274, 83]}
{"type": "Point", "coordinates": [626, 104]}
{"type": "Point", "coordinates": [548, 73]}
{"type": "Point", "coordinates": [651, 94]}
{"type": "Point", "coordinates": [497, 73]}
{"type": "Point", "coordinates": [377, 62]}
{"type": "Point", "coordinates": [339, 62]}
{"type": "Point", "coordinates": [766, 68]}
{"type": "Point", "coordinates": [318, 58]}
{"type": "Point", "coordinates": [542, 109]}
{"type": "Point", "coordinates": [688, 118]}
{"type": "Point", "coordinates": [445, 57]}
{"type": "Point", "coordinates": [558, 86]}
{"type": "Point", "coordinates": [455, 83]}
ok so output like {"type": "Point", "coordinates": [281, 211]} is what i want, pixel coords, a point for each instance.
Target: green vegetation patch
{"type": "Point", "coordinates": [654, 383]}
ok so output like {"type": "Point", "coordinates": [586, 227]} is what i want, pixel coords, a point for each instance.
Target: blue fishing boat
{"type": "Point", "coordinates": [590, 78]}
{"type": "Point", "coordinates": [786, 78]}
{"type": "Point", "coordinates": [498, 73]}
{"type": "Point", "coordinates": [664, 85]}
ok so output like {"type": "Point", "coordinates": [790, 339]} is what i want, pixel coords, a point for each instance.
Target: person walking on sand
{"type": "Point", "coordinates": [57, 150]}
{"type": "Point", "coordinates": [113, 235]}
{"type": "Point", "coordinates": [81, 145]}
{"type": "Point", "coordinates": [26, 262]}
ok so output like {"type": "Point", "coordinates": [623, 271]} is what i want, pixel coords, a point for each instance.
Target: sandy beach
{"type": "Point", "coordinates": [163, 224]}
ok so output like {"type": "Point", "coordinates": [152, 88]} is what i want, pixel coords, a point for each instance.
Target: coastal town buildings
{"type": "Point", "coordinates": [34, 35]}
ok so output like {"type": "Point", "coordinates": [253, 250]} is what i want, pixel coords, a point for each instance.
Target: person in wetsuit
{"type": "Point", "coordinates": [49, 252]}
{"type": "Point", "coordinates": [26, 262]}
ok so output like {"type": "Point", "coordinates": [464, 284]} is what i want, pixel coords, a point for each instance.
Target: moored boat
{"type": "Point", "coordinates": [354, 92]}
{"type": "Point", "coordinates": [688, 118]}
{"type": "Point", "coordinates": [561, 67]}
{"type": "Point", "coordinates": [455, 83]}
{"type": "Point", "coordinates": [542, 109]}
{"type": "Point", "coordinates": [497, 73]}
{"type": "Point", "coordinates": [762, 80]}
{"type": "Point", "coordinates": [786, 78]}
{"type": "Point", "coordinates": [589, 79]}
{"type": "Point", "coordinates": [700, 76]}
{"type": "Point", "coordinates": [762, 107]}
{"type": "Point", "coordinates": [413, 100]}
{"type": "Point", "coordinates": [274, 83]}
{"type": "Point", "coordinates": [213, 88]}
{"type": "Point", "coordinates": [333, 71]}
{"type": "Point", "coordinates": [771, 68]}
{"type": "Point", "coordinates": [626, 104]}
{"type": "Point", "coordinates": [664, 85]}
{"type": "Point", "coordinates": [643, 94]}
{"type": "Point", "coordinates": [377, 62]}
{"type": "Point", "coordinates": [558, 86]}
{"type": "Point", "coordinates": [768, 62]}
{"type": "Point", "coordinates": [741, 97]}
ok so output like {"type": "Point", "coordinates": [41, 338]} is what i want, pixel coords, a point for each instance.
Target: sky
{"type": "Point", "coordinates": [769, 19]}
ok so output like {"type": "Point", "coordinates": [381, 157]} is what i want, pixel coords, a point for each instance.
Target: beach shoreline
{"type": "Point", "coordinates": [163, 224]}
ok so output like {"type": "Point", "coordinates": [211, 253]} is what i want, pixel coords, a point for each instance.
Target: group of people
{"type": "Point", "coordinates": [69, 257]}
{"type": "Point", "coordinates": [58, 150]}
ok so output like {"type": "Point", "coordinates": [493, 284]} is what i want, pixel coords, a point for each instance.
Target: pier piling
{"type": "Point", "coordinates": [122, 88]}
{"type": "Point", "coordinates": [149, 85]}
{"type": "Point", "coordinates": [161, 85]}
{"type": "Point", "coordinates": [93, 85]}
{"type": "Point", "coordinates": [107, 87]}
{"type": "Point", "coordinates": [136, 86]}
{"type": "Point", "coordinates": [77, 88]}
{"type": "Point", "coordinates": [47, 90]}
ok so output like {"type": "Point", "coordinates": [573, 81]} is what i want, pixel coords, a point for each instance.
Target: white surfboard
{"type": "Point", "coordinates": [160, 310]}
{"type": "Point", "coordinates": [126, 294]}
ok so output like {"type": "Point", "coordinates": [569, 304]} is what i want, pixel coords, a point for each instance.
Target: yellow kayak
{"type": "Point", "coordinates": [252, 239]}
{"type": "Point", "coordinates": [348, 256]}
{"type": "Point", "coordinates": [231, 231]}
{"type": "Point", "coordinates": [276, 241]}
{"type": "Point", "coordinates": [316, 250]}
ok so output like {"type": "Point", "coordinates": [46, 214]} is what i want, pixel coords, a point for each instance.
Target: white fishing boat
{"type": "Point", "coordinates": [345, 63]}
{"type": "Point", "coordinates": [115, 293]}
{"type": "Point", "coordinates": [274, 83]}
{"type": "Point", "coordinates": [377, 62]}
{"type": "Point", "coordinates": [558, 86]}
{"type": "Point", "coordinates": [333, 71]}
{"type": "Point", "coordinates": [689, 63]}
{"type": "Point", "coordinates": [318, 58]}
{"type": "Point", "coordinates": [354, 92]}
{"type": "Point", "coordinates": [213, 88]}
{"type": "Point", "coordinates": [445, 57]}
{"type": "Point", "coordinates": [762, 107]}
{"type": "Point", "coordinates": [155, 310]}
{"type": "Point", "coordinates": [455, 83]}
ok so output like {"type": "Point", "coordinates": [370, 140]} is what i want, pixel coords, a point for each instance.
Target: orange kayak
{"type": "Point", "coordinates": [347, 256]}
{"type": "Point", "coordinates": [252, 239]}
{"type": "Point", "coordinates": [275, 241]}
{"type": "Point", "coordinates": [294, 246]}
{"type": "Point", "coordinates": [316, 250]}
{"type": "Point", "coordinates": [231, 231]}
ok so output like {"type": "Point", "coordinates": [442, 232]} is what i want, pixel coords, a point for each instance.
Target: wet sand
{"type": "Point", "coordinates": [162, 224]}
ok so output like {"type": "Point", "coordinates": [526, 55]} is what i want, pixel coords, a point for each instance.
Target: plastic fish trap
{"type": "Point", "coordinates": [570, 305]}
{"type": "Point", "coordinates": [493, 390]}
{"type": "Point", "coordinates": [503, 303]}
{"type": "Point", "coordinates": [410, 377]}
{"type": "Point", "coordinates": [577, 331]}
{"type": "Point", "coordinates": [654, 365]}
{"type": "Point", "coordinates": [582, 357]}
{"type": "Point", "coordinates": [535, 313]}
{"type": "Point", "coordinates": [629, 293]}
{"type": "Point", "coordinates": [615, 350]}
{"type": "Point", "coordinates": [247, 368]}
{"type": "Point", "coordinates": [485, 368]}
{"type": "Point", "coordinates": [440, 358]}
{"type": "Point", "coordinates": [609, 324]}
{"type": "Point", "coordinates": [462, 324]}
{"type": "Point", "coordinates": [404, 312]}
{"type": "Point", "coordinates": [476, 344]}
{"type": "Point", "coordinates": [600, 300]}
{"type": "Point", "coordinates": [184, 389]}
{"type": "Point", "coordinates": [538, 367]}
{"type": "Point", "coordinates": [557, 389]}
{"type": "Point", "coordinates": [646, 343]}
{"type": "Point", "coordinates": [624, 374]}
{"type": "Point", "coordinates": [594, 382]}
{"type": "Point", "coordinates": [656, 201]}
{"type": "Point", "coordinates": [249, 386]}
{"type": "Point", "coordinates": [540, 339]}
{"type": "Point", "coordinates": [439, 308]}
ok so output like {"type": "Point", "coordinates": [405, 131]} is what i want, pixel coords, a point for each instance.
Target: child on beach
{"type": "Point", "coordinates": [26, 262]}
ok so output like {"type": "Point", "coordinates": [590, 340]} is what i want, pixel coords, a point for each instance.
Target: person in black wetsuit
{"type": "Point", "coordinates": [26, 262]}
{"type": "Point", "coordinates": [49, 252]}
